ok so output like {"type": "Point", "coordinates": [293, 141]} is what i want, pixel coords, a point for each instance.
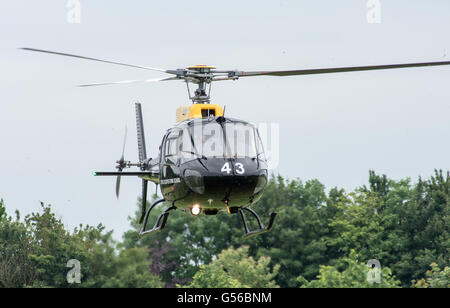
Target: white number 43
{"type": "Point", "coordinates": [238, 167]}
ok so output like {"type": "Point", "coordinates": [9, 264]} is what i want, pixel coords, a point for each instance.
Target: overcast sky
{"type": "Point", "coordinates": [334, 127]}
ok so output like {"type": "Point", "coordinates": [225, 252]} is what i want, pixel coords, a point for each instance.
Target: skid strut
{"type": "Point", "coordinates": [261, 229]}
{"type": "Point", "coordinates": [160, 222]}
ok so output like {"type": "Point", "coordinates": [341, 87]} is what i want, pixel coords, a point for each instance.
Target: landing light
{"type": "Point", "coordinates": [195, 210]}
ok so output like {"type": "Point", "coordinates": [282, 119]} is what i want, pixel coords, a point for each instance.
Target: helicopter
{"type": "Point", "coordinates": [207, 162]}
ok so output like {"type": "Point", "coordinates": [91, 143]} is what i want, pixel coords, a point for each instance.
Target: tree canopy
{"type": "Point", "coordinates": [234, 268]}
{"type": "Point", "coordinates": [321, 238]}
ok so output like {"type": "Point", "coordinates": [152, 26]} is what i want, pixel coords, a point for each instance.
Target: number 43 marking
{"type": "Point", "coordinates": [238, 167]}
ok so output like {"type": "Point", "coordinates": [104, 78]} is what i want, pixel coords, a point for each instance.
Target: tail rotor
{"type": "Point", "coordinates": [121, 164]}
{"type": "Point", "coordinates": [149, 168]}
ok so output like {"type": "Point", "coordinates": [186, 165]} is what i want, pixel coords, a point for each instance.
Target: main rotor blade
{"type": "Point", "coordinates": [126, 82]}
{"type": "Point", "coordinates": [337, 69]}
{"type": "Point", "coordinates": [140, 173]}
{"type": "Point", "coordinates": [94, 59]}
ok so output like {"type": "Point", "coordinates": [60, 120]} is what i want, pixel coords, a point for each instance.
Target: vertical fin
{"type": "Point", "coordinates": [140, 134]}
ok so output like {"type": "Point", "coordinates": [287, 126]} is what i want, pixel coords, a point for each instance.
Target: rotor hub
{"type": "Point", "coordinates": [202, 75]}
{"type": "Point", "coordinates": [201, 68]}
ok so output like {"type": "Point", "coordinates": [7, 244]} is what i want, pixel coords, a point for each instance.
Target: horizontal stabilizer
{"type": "Point", "coordinates": [123, 173]}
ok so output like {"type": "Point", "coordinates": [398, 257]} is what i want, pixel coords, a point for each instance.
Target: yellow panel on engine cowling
{"type": "Point", "coordinates": [198, 111]}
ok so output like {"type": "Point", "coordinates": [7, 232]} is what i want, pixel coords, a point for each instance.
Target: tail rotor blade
{"type": "Point", "coordinates": [124, 144]}
{"type": "Point", "coordinates": [118, 186]}
{"type": "Point", "coordinates": [121, 163]}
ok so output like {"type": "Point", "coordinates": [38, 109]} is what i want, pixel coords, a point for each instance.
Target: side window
{"type": "Point", "coordinates": [261, 154]}
{"type": "Point", "coordinates": [161, 149]}
{"type": "Point", "coordinates": [170, 146]}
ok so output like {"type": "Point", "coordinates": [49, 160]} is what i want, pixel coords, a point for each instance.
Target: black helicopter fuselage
{"type": "Point", "coordinates": [210, 188]}
{"type": "Point", "coordinates": [206, 163]}
{"type": "Point", "coordinates": [212, 179]}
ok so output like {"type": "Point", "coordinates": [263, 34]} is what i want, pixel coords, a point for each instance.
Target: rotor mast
{"type": "Point", "coordinates": [202, 75]}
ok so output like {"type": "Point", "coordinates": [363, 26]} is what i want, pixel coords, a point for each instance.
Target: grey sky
{"type": "Point", "coordinates": [333, 127]}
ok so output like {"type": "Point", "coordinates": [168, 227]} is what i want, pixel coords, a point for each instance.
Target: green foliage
{"type": "Point", "coordinates": [297, 240]}
{"type": "Point", "coordinates": [210, 276]}
{"type": "Point", "coordinates": [405, 226]}
{"type": "Point", "coordinates": [435, 278]}
{"type": "Point", "coordinates": [316, 237]}
{"type": "Point", "coordinates": [350, 273]}
{"type": "Point", "coordinates": [34, 253]}
{"type": "Point", "coordinates": [235, 269]}
{"type": "Point", "coordinates": [16, 269]}
{"type": "Point", "coordinates": [134, 271]}
{"type": "Point", "coordinates": [185, 244]}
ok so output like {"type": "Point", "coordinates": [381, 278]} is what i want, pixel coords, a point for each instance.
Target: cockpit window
{"type": "Point", "coordinates": [202, 140]}
{"type": "Point", "coordinates": [211, 139]}
{"type": "Point", "coordinates": [171, 146]}
{"type": "Point", "coordinates": [240, 139]}
{"type": "Point", "coordinates": [260, 147]}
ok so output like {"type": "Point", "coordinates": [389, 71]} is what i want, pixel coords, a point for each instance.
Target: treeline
{"type": "Point", "coordinates": [320, 239]}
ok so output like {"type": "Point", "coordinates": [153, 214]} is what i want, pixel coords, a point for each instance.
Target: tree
{"type": "Point", "coordinates": [16, 270]}
{"type": "Point", "coordinates": [435, 278]}
{"type": "Point", "coordinates": [349, 273]}
{"type": "Point", "coordinates": [35, 252]}
{"type": "Point", "coordinates": [214, 277]}
{"type": "Point", "coordinates": [297, 240]}
{"type": "Point", "coordinates": [235, 269]}
{"type": "Point", "coordinates": [424, 226]}
{"type": "Point", "coordinates": [185, 244]}
{"type": "Point", "coordinates": [404, 226]}
{"type": "Point", "coordinates": [134, 271]}
{"type": "Point", "coordinates": [54, 246]}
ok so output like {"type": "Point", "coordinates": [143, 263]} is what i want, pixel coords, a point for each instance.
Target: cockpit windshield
{"type": "Point", "coordinates": [240, 139]}
{"type": "Point", "coordinates": [212, 139]}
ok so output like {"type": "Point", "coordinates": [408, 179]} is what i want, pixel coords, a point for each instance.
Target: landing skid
{"type": "Point", "coordinates": [162, 219]}
{"type": "Point", "coordinates": [160, 222]}
{"type": "Point", "coordinates": [261, 229]}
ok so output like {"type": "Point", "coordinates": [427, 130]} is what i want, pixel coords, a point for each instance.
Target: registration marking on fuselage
{"type": "Point", "coordinates": [170, 181]}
